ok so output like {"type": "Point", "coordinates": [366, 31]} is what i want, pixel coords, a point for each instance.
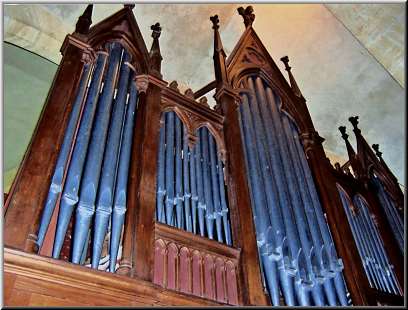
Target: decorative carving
{"type": "Point", "coordinates": [247, 14]}
{"type": "Point", "coordinates": [215, 20]}
{"type": "Point", "coordinates": [354, 121]}
{"type": "Point", "coordinates": [376, 148]}
{"type": "Point", "coordinates": [142, 82]}
{"type": "Point", "coordinates": [189, 93]}
{"type": "Point", "coordinates": [129, 6]}
{"type": "Point", "coordinates": [174, 85]}
{"type": "Point", "coordinates": [202, 267]}
{"type": "Point", "coordinates": [84, 21]}
{"type": "Point", "coordinates": [203, 101]}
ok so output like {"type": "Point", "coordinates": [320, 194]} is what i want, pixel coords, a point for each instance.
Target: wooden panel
{"type": "Point", "coordinates": [209, 272]}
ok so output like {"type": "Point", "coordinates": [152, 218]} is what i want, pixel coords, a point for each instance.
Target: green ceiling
{"type": "Point", "coordinates": [27, 78]}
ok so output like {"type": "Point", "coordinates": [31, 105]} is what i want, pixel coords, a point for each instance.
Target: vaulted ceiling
{"type": "Point", "coordinates": [348, 59]}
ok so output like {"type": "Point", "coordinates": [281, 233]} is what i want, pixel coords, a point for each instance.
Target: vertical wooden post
{"type": "Point", "coordinates": [144, 195]}
{"type": "Point", "coordinates": [30, 188]}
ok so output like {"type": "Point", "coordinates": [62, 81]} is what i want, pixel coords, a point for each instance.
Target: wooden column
{"type": "Point", "coordinates": [354, 274]}
{"type": "Point", "coordinates": [142, 198]}
{"type": "Point", "coordinates": [30, 187]}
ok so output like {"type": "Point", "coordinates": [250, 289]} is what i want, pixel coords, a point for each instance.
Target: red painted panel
{"type": "Point", "coordinates": [159, 260]}
{"type": "Point", "coordinates": [185, 271]}
{"type": "Point", "coordinates": [172, 253]}
{"type": "Point", "coordinates": [209, 289]}
{"type": "Point", "coordinates": [197, 274]}
{"type": "Point", "coordinates": [231, 283]}
{"type": "Point", "coordinates": [219, 280]}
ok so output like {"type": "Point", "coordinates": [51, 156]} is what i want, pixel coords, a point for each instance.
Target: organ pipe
{"type": "Point", "coordinates": [70, 197]}
{"type": "Point", "coordinates": [195, 175]}
{"type": "Point", "coordinates": [108, 175]}
{"type": "Point", "coordinates": [296, 249]}
{"type": "Point", "coordinates": [97, 173]}
{"type": "Point", "coordinates": [90, 179]}
{"type": "Point", "coordinates": [62, 161]}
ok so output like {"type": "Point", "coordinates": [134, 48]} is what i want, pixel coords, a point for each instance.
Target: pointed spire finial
{"type": "Point", "coordinates": [156, 30]}
{"type": "Point", "coordinates": [247, 14]}
{"type": "Point", "coordinates": [293, 84]}
{"type": "Point", "coordinates": [216, 22]}
{"type": "Point", "coordinates": [219, 55]}
{"type": "Point", "coordinates": [342, 130]}
{"type": "Point", "coordinates": [84, 21]}
{"type": "Point", "coordinates": [129, 5]}
{"type": "Point", "coordinates": [354, 121]}
{"type": "Point", "coordinates": [376, 148]}
{"type": "Point", "coordinates": [155, 54]}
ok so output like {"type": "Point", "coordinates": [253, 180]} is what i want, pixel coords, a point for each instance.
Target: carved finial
{"type": "Point", "coordinates": [354, 121]}
{"type": "Point", "coordinates": [376, 148]}
{"type": "Point", "coordinates": [293, 84]}
{"type": "Point", "coordinates": [203, 101]}
{"type": "Point", "coordinates": [342, 129]}
{"type": "Point", "coordinates": [189, 93]}
{"type": "Point", "coordinates": [285, 60]}
{"type": "Point", "coordinates": [247, 14]}
{"type": "Point", "coordinates": [156, 30]}
{"type": "Point", "coordinates": [155, 55]}
{"type": "Point", "coordinates": [174, 85]}
{"type": "Point", "coordinates": [129, 6]}
{"type": "Point", "coordinates": [337, 166]}
{"type": "Point", "coordinates": [216, 22]}
{"type": "Point", "coordinates": [84, 21]}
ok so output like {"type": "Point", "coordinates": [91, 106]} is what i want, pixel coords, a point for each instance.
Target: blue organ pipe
{"type": "Point", "coordinates": [209, 211]}
{"type": "Point", "coordinates": [272, 196]}
{"type": "Point", "coordinates": [120, 200]}
{"type": "Point", "coordinates": [60, 167]}
{"type": "Point", "coordinates": [261, 216]}
{"type": "Point", "coordinates": [295, 197]}
{"type": "Point", "coordinates": [200, 185]}
{"type": "Point", "coordinates": [161, 189]}
{"type": "Point", "coordinates": [378, 246]}
{"type": "Point", "coordinates": [215, 187]}
{"type": "Point", "coordinates": [366, 240]}
{"type": "Point", "coordinates": [194, 194]}
{"type": "Point", "coordinates": [179, 173]}
{"type": "Point", "coordinates": [169, 167]}
{"type": "Point", "coordinates": [373, 246]}
{"type": "Point", "coordinates": [378, 240]}
{"type": "Point", "coordinates": [224, 208]}
{"type": "Point", "coordinates": [361, 251]}
{"type": "Point", "coordinates": [310, 213]}
{"type": "Point", "coordinates": [90, 180]}
{"type": "Point", "coordinates": [186, 182]}
{"type": "Point", "coordinates": [277, 122]}
{"type": "Point", "coordinates": [70, 194]}
{"type": "Point", "coordinates": [312, 208]}
{"type": "Point", "coordinates": [106, 187]}
{"type": "Point", "coordinates": [85, 249]}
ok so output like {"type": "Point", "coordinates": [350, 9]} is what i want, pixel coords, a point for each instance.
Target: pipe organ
{"type": "Point", "coordinates": [92, 167]}
{"type": "Point", "coordinates": [379, 271]}
{"type": "Point", "coordinates": [133, 193]}
{"type": "Point", "coordinates": [190, 182]}
{"type": "Point", "coordinates": [296, 248]}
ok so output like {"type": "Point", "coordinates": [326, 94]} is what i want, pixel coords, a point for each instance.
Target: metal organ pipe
{"type": "Point", "coordinates": [282, 191]}
{"type": "Point", "coordinates": [62, 161]}
{"type": "Point", "coordinates": [197, 176]}
{"type": "Point", "coordinates": [72, 184]}
{"type": "Point", "coordinates": [120, 201]}
{"type": "Point", "coordinates": [90, 180]}
{"type": "Point", "coordinates": [97, 173]}
{"type": "Point", "coordinates": [108, 175]}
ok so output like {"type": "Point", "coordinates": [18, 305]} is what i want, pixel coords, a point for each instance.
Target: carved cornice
{"type": "Point", "coordinates": [88, 53]}
{"type": "Point", "coordinates": [144, 80]}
